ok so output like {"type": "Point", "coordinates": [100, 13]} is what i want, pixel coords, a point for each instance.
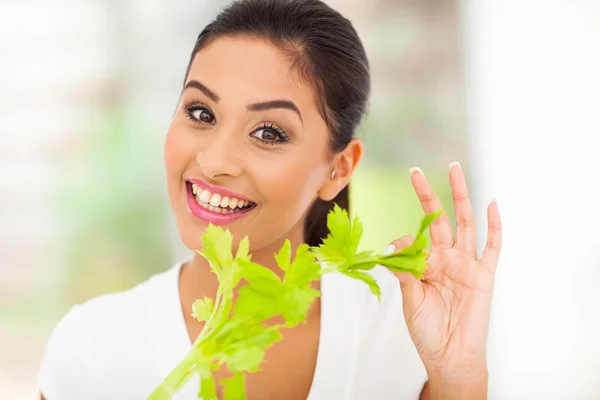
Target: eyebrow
{"type": "Point", "coordinates": [262, 106]}
{"type": "Point", "coordinates": [197, 85]}
{"type": "Point", "coordinates": [269, 105]}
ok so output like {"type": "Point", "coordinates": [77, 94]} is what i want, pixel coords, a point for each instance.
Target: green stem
{"type": "Point", "coordinates": [393, 267]}
{"type": "Point", "coordinates": [208, 325]}
{"type": "Point", "coordinates": [188, 366]}
{"type": "Point", "coordinates": [222, 317]}
{"type": "Point", "coordinates": [176, 379]}
{"type": "Point", "coordinates": [370, 261]}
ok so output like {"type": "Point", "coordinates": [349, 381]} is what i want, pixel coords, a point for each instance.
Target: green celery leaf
{"type": "Point", "coordinates": [329, 256]}
{"type": "Point", "coordinates": [364, 255]}
{"type": "Point", "coordinates": [241, 256]}
{"type": "Point", "coordinates": [297, 303]}
{"type": "Point", "coordinates": [362, 266]}
{"type": "Point", "coordinates": [234, 351]}
{"type": "Point", "coordinates": [223, 334]}
{"type": "Point", "coordinates": [284, 255]}
{"type": "Point", "coordinates": [416, 247]}
{"type": "Point", "coordinates": [428, 220]}
{"type": "Point", "coordinates": [259, 299]}
{"type": "Point", "coordinates": [414, 264]}
{"type": "Point", "coordinates": [341, 244]}
{"type": "Point", "coordinates": [243, 358]}
{"type": "Point", "coordinates": [364, 261]}
{"type": "Point", "coordinates": [368, 279]}
{"type": "Point", "coordinates": [234, 387]}
{"type": "Point", "coordinates": [357, 231]}
{"type": "Point", "coordinates": [251, 272]}
{"type": "Point", "coordinates": [216, 248]}
{"type": "Point", "coordinates": [255, 334]}
{"type": "Point", "coordinates": [304, 269]}
{"type": "Point", "coordinates": [202, 309]}
{"type": "Point", "coordinates": [338, 243]}
{"type": "Point", "coordinates": [243, 248]}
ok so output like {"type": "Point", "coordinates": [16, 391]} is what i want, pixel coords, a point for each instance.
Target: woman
{"type": "Point", "coordinates": [262, 144]}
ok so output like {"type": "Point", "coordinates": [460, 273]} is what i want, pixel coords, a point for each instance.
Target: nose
{"type": "Point", "coordinates": [219, 157]}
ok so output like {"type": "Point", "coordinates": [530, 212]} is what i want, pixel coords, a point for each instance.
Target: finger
{"type": "Point", "coordinates": [491, 253]}
{"type": "Point", "coordinates": [410, 286]}
{"type": "Point", "coordinates": [466, 237]}
{"type": "Point", "coordinates": [399, 244]}
{"type": "Point", "coordinates": [440, 230]}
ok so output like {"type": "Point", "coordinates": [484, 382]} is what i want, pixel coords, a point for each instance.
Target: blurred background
{"type": "Point", "coordinates": [508, 88]}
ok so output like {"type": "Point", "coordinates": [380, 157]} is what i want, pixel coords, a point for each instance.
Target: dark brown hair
{"type": "Point", "coordinates": [325, 50]}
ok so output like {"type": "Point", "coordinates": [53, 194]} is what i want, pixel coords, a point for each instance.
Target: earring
{"type": "Point", "coordinates": [333, 175]}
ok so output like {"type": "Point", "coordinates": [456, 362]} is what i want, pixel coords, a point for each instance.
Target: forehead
{"type": "Point", "coordinates": [246, 70]}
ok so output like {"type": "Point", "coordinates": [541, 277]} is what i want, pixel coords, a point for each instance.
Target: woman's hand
{"type": "Point", "coordinates": [448, 312]}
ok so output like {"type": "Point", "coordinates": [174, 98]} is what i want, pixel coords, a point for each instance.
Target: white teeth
{"type": "Point", "coordinates": [216, 203]}
{"type": "Point", "coordinates": [224, 202]}
{"type": "Point", "coordinates": [217, 210]}
{"type": "Point", "coordinates": [215, 200]}
{"type": "Point", "coordinates": [205, 196]}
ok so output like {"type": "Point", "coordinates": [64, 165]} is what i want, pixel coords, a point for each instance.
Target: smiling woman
{"type": "Point", "coordinates": [257, 132]}
{"type": "Point", "coordinates": [262, 143]}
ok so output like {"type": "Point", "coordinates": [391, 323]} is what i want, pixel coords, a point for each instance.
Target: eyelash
{"type": "Point", "coordinates": [189, 109]}
{"type": "Point", "coordinates": [267, 126]}
{"type": "Point", "coordinates": [280, 133]}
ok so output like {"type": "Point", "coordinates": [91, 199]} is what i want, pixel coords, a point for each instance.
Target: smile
{"type": "Point", "coordinates": [216, 205]}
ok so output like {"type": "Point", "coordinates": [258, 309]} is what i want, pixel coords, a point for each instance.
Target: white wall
{"type": "Point", "coordinates": [533, 72]}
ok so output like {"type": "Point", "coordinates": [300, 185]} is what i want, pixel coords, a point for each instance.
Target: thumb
{"type": "Point", "coordinates": [409, 285]}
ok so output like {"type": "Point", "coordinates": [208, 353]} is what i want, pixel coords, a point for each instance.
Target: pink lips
{"type": "Point", "coordinates": [215, 218]}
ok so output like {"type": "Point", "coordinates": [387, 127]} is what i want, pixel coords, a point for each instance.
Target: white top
{"type": "Point", "coordinates": [122, 345]}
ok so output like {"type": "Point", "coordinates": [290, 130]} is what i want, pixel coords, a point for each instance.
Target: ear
{"type": "Point", "coordinates": [343, 165]}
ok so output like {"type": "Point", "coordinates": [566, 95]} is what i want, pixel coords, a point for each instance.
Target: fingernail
{"type": "Point", "coordinates": [413, 169]}
{"type": "Point", "coordinates": [454, 164]}
{"type": "Point", "coordinates": [389, 250]}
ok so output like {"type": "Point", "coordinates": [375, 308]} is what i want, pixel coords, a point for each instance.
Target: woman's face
{"type": "Point", "coordinates": [247, 133]}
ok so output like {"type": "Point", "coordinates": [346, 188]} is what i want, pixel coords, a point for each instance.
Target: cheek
{"type": "Point", "coordinates": [177, 151]}
{"type": "Point", "coordinates": [178, 157]}
{"type": "Point", "coordinates": [292, 184]}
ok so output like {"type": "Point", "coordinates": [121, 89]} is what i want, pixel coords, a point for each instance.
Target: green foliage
{"type": "Point", "coordinates": [235, 334]}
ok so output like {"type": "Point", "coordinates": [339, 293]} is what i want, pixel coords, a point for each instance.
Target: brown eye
{"type": "Point", "coordinates": [265, 134]}
{"type": "Point", "coordinates": [199, 113]}
{"type": "Point", "coordinates": [270, 134]}
{"type": "Point", "coordinates": [202, 116]}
